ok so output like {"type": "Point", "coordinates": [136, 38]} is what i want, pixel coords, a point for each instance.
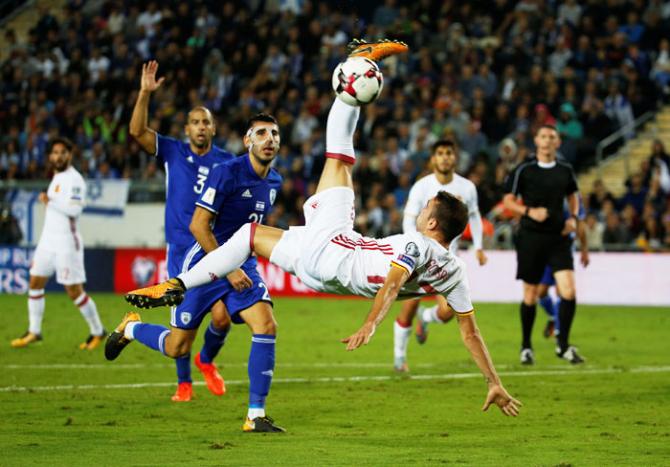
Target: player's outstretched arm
{"type": "Point", "coordinates": [480, 354]}
{"type": "Point", "coordinates": [380, 307]}
{"type": "Point", "coordinates": [139, 126]}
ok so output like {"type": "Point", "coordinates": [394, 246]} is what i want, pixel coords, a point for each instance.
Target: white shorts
{"type": "Point", "coordinates": [307, 251]}
{"type": "Point", "coordinates": [67, 263]}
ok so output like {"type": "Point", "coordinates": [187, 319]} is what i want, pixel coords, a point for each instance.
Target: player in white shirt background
{"type": "Point", "coordinates": [444, 160]}
{"type": "Point", "coordinates": [329, 256]}
{"type": "Point", "coordinates": [60, 249]}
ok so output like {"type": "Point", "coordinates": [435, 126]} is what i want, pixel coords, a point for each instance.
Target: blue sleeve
{"type": "Point", "coordinates": [220, 185]}
{"type": "Point", "coordinates": [166, 148]}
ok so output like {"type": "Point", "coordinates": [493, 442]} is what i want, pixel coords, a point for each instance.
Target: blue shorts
{"type": "Point", "coordinates": [199, 300]}
{"type": "Point", "coordinates": [175, 254]}
{"type": "Point", "coordinates": [548, 277]}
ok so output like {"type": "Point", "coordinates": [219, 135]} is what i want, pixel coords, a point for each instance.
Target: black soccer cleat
{"type": "Point", "coordinates": [168, 293]}
{"type": "Point", "coordinates": [117, 341]}
{"type": "Point", "coordinates": [570, 354]}
{"type": "Point", "coordinates": [261, 425]}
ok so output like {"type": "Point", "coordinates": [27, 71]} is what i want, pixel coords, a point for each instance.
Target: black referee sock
{"type": "Point", "coordinates": [527, 321]}
{"type": "Point", "coordinates": [566, 313]}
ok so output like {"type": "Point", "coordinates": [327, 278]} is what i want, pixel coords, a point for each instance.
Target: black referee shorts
{"type": "Point", "coordinates": [537, 250]}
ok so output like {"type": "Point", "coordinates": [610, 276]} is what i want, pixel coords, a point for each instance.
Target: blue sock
{"type": "Point", "coordinates": [548, 306]}
{"type": "Point", "coordinates": [151, 335]}
{"type": "Point", "coordinates": [261, 367]}
{"type": "Point", "coordinates": [184, 368]}
{"type": "Point", "coordinates": [214, 339]}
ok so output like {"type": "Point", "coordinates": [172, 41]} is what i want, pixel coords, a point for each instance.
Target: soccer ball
{"type": "Point", "coordinates": [357, 81]}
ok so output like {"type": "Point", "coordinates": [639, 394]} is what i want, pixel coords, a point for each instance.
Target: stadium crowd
{"type": "Point", "coordinates": [486, 74]}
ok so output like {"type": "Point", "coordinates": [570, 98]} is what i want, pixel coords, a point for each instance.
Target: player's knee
{"type": "Point", "coordinates": [221, 322]}
{"type": "Point", "coordinates": [266, 326]}
{"type": "Point", "coordinates": [568, 293]}
{"type": "Point", "coordinates": [175, 347]}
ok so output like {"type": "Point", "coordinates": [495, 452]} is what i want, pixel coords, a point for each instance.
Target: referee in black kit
{"type": "Point", "coordinates": [543, 183]}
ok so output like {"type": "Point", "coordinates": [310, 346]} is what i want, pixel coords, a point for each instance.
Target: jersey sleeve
{"type": "Point", "coordinates": [412, 209]}
{"type": "Point", "coordinates": [412, 253]}
{"type": "Point", "coordinates": [220, 184]}
{"type": "Point", "coordinates": [69, 200]}
{"type": "Point", "coordinates": [166, 148]}
{"type": "Point", "coordinates": [513, 181]}
{"type": "Point", "coordinates": [475, 219]}
{"type": "Point", "coordinates": [459, 297]}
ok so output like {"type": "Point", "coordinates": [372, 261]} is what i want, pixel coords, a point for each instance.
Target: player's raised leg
{"type": "Point", "coordinates": [440, 313]}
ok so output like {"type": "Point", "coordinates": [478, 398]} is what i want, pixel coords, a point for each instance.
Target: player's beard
{"type": "Point", "coordinates": [61, 166]}
{"type": "Point", "coordinates": [262, 158]}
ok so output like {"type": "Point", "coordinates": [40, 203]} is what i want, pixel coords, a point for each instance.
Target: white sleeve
{"type": "Point", "coordinates": [475, 219]}
{"type": "Point", "coordinates": [70, 200]}
{"type": "Point", "coordinates": [459, 297]}
{"type": "Point", "coordinates": [413, 253]}
{"type": "Point", "coordinates": [412, 209]}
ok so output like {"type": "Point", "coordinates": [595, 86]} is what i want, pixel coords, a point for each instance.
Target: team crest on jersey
{"type": "Point", "coordinates": [273, 196]}
{"type": "Point", "coordinates": [412, 250]}
{"type": "Point", "coordinates": [185, 317]}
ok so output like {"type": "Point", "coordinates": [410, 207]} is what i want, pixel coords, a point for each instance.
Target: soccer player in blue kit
{"type": "Point", "coordinates": [235, 193]}
{"type": "Point", "coordinates": [187, 166]}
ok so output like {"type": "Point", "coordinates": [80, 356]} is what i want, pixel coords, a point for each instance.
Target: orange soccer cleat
{"type": "Point", "coordinates": [214, 381]}
{"type": "Point", "coordinates": [261, 425]}
{"type": "Point", "coordinates": [93, 342]}
{"type": "Point", "coordinates": [376, 51]}
{"type": "Point", "coordinates": [26, 339]}
{"type": "Point", "coordinates": [184, 392]}
{"type": "Point", "coordinates": [117, 341]}
{"type": "Point", "coordinates": [168, 293]}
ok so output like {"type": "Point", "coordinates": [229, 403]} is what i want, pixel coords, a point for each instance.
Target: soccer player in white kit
{"type": "Point", "coordinates": [329, 256]}
{"type": "Point", "coordinates": [444, 159]}
{"type": "Point", "coordinates": [61, 249]}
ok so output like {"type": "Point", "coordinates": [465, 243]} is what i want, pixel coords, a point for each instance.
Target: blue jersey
{"type": "Point", "coordinates": [186, 174]}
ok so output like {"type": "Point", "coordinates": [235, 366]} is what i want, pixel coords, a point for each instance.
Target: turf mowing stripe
{"type": "Point", "coordinates": [348, 379]}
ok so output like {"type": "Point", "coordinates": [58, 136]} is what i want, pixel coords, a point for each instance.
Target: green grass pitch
{"type": "Point", "coordinates": [62, 406]}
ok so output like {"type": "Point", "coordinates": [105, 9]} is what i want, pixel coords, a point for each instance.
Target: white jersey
{"type": "Point", "coordinates": [427, 188]}
{"type": "Point", "coordinates": [66, 193]}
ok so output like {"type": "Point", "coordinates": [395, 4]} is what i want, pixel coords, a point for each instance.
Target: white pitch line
{"type": "Point", "coordinates": [349, 379]}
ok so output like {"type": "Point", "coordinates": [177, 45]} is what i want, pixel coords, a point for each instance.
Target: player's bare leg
{"type": "Point", "coordinates": [35, 313]}
{"type": "Point", "coordinates": [89, 312]}
{"type": "Point", "coordinates": [263, 327]}
{"type": "Point", "coordinates": [528, 311]}
{"type": "Point", "coordinates": [402, 330]}
{"type": "Point", "coordinates": [565, 285]}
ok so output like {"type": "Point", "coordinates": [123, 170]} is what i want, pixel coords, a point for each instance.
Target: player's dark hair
{"type": "Point", "coordinates": [261, 117]}
{"type": "Point", "coordinates": [451, 215]}
{"type": "Point", "coordinates": [60, 140]}
{"type": "Point", "coordinates": [546, 126]}
{"type": "Point", "coordinates": [450, 143]}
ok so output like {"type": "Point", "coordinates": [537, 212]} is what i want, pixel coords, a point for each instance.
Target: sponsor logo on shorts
{"type": "Point", "coordinates": [412, 250]}
{"type": "Point", "coordinates": [407, 260]}
{"type": "Point", "coordinates": [185, 317]}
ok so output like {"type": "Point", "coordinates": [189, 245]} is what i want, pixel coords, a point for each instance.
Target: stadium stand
{"type": "Point", "coordinates": [485, 73]}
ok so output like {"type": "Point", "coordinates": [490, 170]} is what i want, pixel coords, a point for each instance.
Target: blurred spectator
{"type": "Point", "coordinates": [10, 232]}
{"type": "Point", "coordinates": [615, 233]}
{"type": "Point", "coordinates": [594, 230]}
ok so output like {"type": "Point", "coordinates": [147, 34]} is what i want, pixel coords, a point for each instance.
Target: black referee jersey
{"type": "Point", "coordinates": [542, 184]}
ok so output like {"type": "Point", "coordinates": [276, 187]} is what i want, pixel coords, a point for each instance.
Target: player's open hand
{"type": "Point", "coordinates": [149, 82]}
{"type": "Point", "coordinates": [481, 257]}
{"type": "Point", "coordinates": [498, 396]}
{"type": "Point", "coordinates": [361, 337]}
{"type": "Point", "coordinates": [570, 226]}
{"type": "Point", "coordinates": [584, 257]}
{"type": "Point", "coordinates": [239, 280]}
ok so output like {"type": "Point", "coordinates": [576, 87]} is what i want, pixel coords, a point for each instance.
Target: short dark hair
{"type": "Point", "coordinates": [261, 117]}
{"type": "Point", "coordinates": [451, 215]}
{"type": "Point", "coordinates": [546, 126]}
{"type": "Point", "coordinates": [60, 140]}
{"type": "Point", "coordinates": [444, 142]}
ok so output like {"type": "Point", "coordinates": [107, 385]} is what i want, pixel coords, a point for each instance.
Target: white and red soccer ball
{"type": "Point", "coordinates": [357, 81]}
